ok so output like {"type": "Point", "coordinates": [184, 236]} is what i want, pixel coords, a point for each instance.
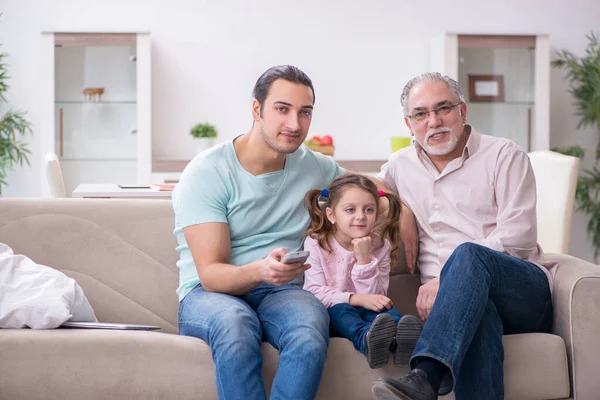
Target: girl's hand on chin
{"type": "Point", "coordinates": [362, 249]}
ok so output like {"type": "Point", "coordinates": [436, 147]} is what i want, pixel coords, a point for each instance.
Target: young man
{"type": "Point", "coordinates": [238, 210]}
{"type": "Point", "coordinates": [474, 200]}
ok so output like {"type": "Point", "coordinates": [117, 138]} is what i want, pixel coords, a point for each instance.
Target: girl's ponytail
{"type": "Point", "coordinates": [319, 227]}
{"type": "Point", "coordinates": [390, 226]}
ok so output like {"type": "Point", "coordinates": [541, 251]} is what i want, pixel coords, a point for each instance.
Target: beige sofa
{"type": "Point", "coordinates": [122, 252]}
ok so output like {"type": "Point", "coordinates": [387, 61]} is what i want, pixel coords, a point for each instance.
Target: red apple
{"type": "Point", "coordinates": [316, 139]}
{"type": "Point", "coordinates": [327, 140]}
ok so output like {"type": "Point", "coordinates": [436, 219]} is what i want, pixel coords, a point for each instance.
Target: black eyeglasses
{"type": "Point", "coordinates": [419, 116]}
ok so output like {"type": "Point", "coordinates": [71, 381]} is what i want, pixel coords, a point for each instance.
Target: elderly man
{"type": "Point", "coordinates": [483, 275]}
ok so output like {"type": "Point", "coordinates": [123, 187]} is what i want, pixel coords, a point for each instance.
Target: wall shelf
{"type": "Point", "coordinates": [508, 103]}
{"type": "Point", "coordinates": [60, 102]}
{"type": "Point", "coordinates": [82, 159]}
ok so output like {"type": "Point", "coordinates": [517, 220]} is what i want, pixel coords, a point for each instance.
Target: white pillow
{"type": "Point", "coordinates": [36, 296]}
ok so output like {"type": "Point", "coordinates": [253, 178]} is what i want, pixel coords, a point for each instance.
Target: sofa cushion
{"type": "Point", "coordinates": [102, 364]}
{"type": "Point", "coordinates": [535, 367]}
{"type": "Point", "coordinates": [96, 364]}
{"type": "Point", "coordinates": [121, 252]}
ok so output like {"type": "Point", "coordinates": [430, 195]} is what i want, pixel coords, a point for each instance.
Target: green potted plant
{"type": "Point", "coordinates": [13, 125]}
{"type": "Point", "coordinates": [204, 134]}
{"type": "Point", "coordinates": [583, 74]}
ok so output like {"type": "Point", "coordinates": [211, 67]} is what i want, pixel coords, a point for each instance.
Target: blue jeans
{"type": "Point", "coordinates": [289, 318]}
{"type": "Point", "coordinates": [483, 294]}
{"type": "Point", "coordinates": [354, 322]}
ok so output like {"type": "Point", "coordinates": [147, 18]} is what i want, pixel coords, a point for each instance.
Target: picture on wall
{"type": "Point", "coordinates": [489, 88]}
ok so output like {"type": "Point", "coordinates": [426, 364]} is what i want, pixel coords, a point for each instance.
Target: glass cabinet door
{"type": "Point", "coordinates": [497, 75]}
{"type": "Point", "coordinates": [95, 108]}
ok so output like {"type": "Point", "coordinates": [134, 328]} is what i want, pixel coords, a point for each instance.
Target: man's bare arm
{"type": "Point", "coordinates": [209, 244]}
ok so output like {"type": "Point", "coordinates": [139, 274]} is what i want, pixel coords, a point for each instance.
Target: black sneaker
{"type": "Point", "coordinates": [379, 339]}
{"type": "Point", "coordinates": [413, 386]}
{"type": "Point", "coordinates": [407, 333]}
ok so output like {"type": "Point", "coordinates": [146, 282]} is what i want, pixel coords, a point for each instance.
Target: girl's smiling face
{"type": "Point", "coordinates": [354, 215]}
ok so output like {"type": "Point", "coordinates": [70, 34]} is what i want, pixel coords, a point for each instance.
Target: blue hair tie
{"type": "Point", "coordinates": [325, 193]}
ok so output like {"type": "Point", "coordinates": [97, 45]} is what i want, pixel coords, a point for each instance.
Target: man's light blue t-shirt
{"type": "Point", "coordinates": [263, 212]}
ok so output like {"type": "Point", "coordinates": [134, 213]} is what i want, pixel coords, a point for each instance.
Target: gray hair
{"type": "Point", "coordinates": [430, 77]}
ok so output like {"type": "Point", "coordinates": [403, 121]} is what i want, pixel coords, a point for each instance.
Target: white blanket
{"type": "Point", "coordinates": [36, 296]}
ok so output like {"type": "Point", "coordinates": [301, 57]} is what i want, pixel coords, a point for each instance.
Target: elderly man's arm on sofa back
{"type": "Point", "coordinates": [576, 302]}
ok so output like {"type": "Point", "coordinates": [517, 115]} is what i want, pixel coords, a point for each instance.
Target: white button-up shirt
{"type": "Point", "coordinates": [487, 196]}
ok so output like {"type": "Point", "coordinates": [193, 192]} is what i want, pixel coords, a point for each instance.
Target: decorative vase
{"type": "Point", "coordinates": [204, 144]}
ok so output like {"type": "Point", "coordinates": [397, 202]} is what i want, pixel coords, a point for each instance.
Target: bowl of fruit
{"type": "Point", "coordinates": [322, 144]}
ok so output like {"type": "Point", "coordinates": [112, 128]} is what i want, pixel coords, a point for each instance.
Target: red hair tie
{"type": "Point", "coordinates": [381, 193]}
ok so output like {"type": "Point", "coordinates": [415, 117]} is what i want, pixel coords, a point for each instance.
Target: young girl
{"type": "Point", "coordinates": [350, 258]}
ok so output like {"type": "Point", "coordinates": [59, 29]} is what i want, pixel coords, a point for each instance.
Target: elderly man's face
{"type": "Point", "coordinates": [438, 133]}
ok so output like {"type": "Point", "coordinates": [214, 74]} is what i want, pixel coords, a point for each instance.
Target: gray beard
{"type": "Point", "coordinates": [444, 150]}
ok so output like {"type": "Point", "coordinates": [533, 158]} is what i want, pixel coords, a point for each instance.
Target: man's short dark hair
{"type": "Point", "coordinates": [287, 72]}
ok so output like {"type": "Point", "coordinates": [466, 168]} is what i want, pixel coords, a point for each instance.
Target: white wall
{"type": "Point", "coordinates": [207, 54]}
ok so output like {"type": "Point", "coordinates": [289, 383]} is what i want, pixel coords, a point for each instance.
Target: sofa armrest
{"type": "Point", "coordinates": [576, 303]}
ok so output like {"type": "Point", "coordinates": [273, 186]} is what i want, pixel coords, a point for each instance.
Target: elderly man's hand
{"type": "Point", "coordinates": [426, 297]}
{"type": "Point", "coordinates": [410, 237]}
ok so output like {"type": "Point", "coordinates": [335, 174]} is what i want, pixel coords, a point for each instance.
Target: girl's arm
{"type": "Point", "coordinates": [315, 278]}
{"type": "Point", "coordinates": [373, 278]}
